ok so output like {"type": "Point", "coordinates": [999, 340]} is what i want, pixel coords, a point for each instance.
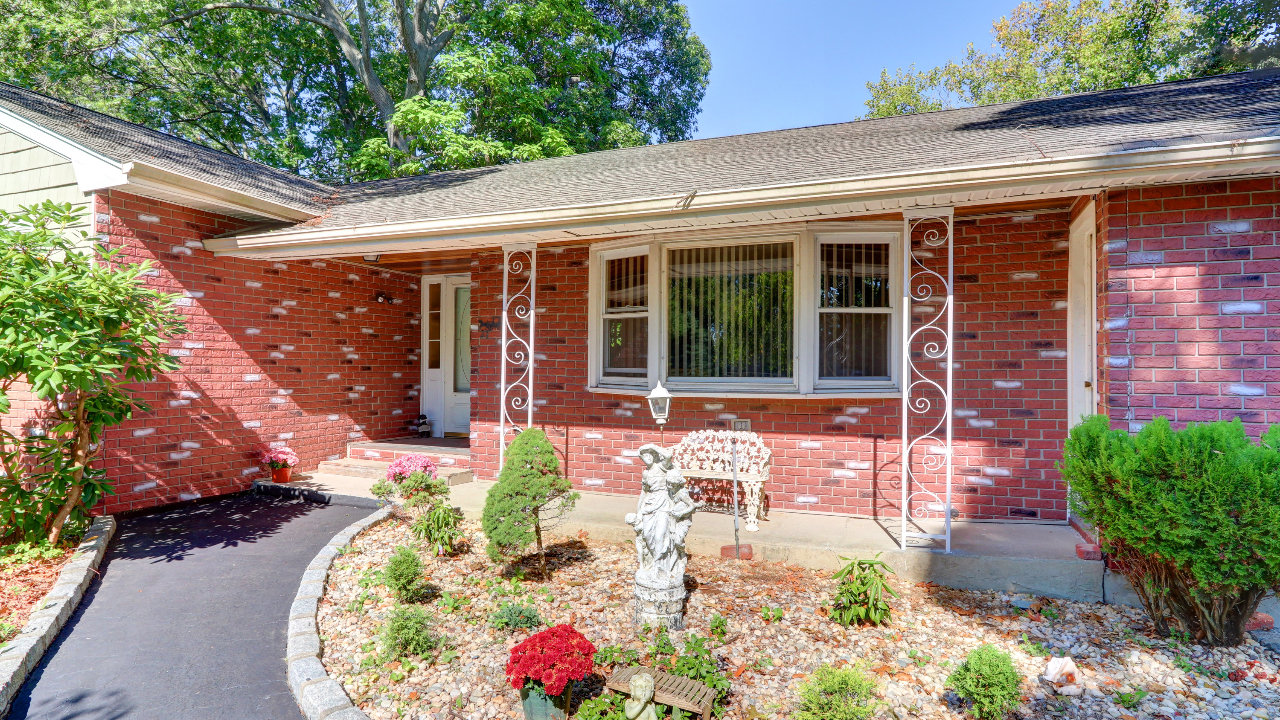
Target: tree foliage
{"type": "Point", "coordinates": [78, 327]}
{"type": "Point", "coordinates": [530, 493]}
{"type": "Point", "coordinates": [305, 85]}
{"type": "Point", "coordinates": [1047, 48]}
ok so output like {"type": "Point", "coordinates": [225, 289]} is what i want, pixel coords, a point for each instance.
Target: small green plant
{"type": "Point", "coordinates": [21, 553]}
{"type": "Point", "coordinates": [864, 592]}
{"type": "Point", "coordinates": [696, 662]}
{"type": "Point", "coordinates": [772, 614]}
{"type": "Point", "coordinates": [1184, 664]}
{"type": "Point", "coordinates": [617, 655]}
{"type": "Point", "coordinates": [7, 629]}
{"type": "Point", "coordinates": [450, 603]}
{"type": "Point", "coordinates": [662, 649]}
{"type": "Point", "coordinates": [447, 656]}
{"type": "Point", "coordinates": [838, 694]}
{"type": "Point", "coordinates": [1033, 647]}
{"type": "Point", "coordinates": [719, 627]}
{"type": "Point", "coordinates": [513, 616]}
{"type": "Point", "coordinates": [382, 489]}
{"type": "Point", "coordinates": [919, 658]}
{"type": "Point", "coordinates": [988, 680]}
{"type": "Point", "coordinates": [405, 576]}
{"type": "Point", "coordinates": [357, 603]}
{"type": "Point", "coordinates": [410, 630]}
{"type": "Point", "coordinates": [1130, 700]}
{"type": "Point", "coordinates": [603, 707]}
{"type": "Point", "coordinates": [440, 526]}
{"type": "Point", "coordinates": [1050, 612]}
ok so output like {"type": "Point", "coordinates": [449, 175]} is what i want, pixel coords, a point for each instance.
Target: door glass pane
{"type": "Point", "coordinates": [853, 345]}
{"type": "Point", "coordinates": [730, 313]}
{"type": "Point", "coordinates": [433, 326]}
{"type": "Point", "coordinates": [462, 340]}
{"type": "Point", "coordinates": [626, 349]}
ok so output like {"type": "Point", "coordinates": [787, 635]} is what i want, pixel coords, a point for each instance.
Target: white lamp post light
{"type": "Point", "coordinates": [659, 403]}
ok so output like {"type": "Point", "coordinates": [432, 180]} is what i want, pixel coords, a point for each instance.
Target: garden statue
{"type": "Point", "coordinates": [640, 705]}
{"type": "Point", "coordinates": [661, 521]}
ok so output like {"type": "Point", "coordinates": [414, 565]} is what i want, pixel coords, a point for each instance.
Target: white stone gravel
{"type": "Point", "coordinates": [1113, 646]}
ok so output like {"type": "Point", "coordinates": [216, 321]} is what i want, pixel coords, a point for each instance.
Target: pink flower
{"type": "Point", "coordinates": [406, 465]}
{"type": "Point", "coordinates": [280, 457]}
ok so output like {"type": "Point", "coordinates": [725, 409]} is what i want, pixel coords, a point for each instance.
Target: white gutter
{"type": "Point", "coordinates": [1230, 157]}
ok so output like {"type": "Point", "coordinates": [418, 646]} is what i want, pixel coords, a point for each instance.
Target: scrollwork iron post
{"type": "Point", "coordinates": [926, 393]}
{"type": "Point", "coordinates": [519, 310]}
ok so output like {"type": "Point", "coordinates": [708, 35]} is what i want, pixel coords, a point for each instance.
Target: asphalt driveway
{"type": "Point", "coordinates": [188, 617]}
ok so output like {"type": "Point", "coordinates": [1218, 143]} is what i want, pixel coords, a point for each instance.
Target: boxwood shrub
{"type": "Point", "coordinates": [1191, 516]}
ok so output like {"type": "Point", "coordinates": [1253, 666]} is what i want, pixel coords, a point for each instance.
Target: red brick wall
{"type": "Point", "coordinates": [298, 353]}
{"type": "Point", "coordinates": [830, 455]}
{"type": "Point", "coordinates": [1193, 303]}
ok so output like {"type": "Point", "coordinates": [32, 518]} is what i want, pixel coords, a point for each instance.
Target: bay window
{"type": "Point", "coordinates": [809, 312]}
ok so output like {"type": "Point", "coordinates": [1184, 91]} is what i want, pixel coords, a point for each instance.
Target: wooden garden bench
{"type": "Point", "coordinates": [668, 689]}
{"type": "Point", "coordinates": [708, 455]}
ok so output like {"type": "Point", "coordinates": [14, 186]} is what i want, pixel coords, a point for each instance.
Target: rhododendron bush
{"type": "Point", "coordinates": [554, 657]}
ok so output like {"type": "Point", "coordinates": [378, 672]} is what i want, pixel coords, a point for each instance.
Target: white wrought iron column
{"type": "Point", "coordinates": [519, 310]}
{"type": "Point", "coordinates": [928, 279]}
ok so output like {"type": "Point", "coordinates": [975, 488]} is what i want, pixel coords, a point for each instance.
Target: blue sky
{"type": "Point", "coordinates": [789, 63]}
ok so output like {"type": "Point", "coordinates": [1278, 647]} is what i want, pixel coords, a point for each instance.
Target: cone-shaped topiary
{"type": "Point", "coordinates": [530, 493]}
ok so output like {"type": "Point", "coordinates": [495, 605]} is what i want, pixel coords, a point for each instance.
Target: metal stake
{"type": "Point", "coordinates": [733, 446]}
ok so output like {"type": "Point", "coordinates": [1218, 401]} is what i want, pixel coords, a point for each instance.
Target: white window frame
{"type": "Point", "coordinates": [805, 361]}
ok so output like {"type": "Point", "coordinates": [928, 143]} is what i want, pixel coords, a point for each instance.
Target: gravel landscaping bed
{"type": "Point", "coordinates": [931, 631]}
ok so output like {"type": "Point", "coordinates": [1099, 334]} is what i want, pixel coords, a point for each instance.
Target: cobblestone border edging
{"type": "Point", "coordinates": [319, 696]}
{"type": "Point", "coordinates": [20, 655]}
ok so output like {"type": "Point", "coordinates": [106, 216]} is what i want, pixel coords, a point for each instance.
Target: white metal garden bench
{"type": "Point", "coordinates": [708, 455]}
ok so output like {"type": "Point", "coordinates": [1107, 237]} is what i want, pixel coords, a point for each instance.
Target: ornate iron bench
{"type": "Point", "coordinates": [708, 455]}
{"type": "Point", "coordinates": [668, 689]}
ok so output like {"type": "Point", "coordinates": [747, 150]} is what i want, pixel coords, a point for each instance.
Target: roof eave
{"type": "Point", "coordinates": [1235, 157]}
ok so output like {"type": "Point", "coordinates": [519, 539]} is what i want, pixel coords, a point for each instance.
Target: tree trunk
{"type": "Point", "coordinates": [80, 458]}
{"type": "Point", "coordinates": [542, 556]}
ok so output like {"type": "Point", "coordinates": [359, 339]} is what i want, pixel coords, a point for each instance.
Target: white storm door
{"type": "Point", "coordinates": [1082, 317]}
{"type": "Point", "coordinates": [455, 355]}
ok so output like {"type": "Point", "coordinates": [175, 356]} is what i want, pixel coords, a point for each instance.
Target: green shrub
{"type": "Point", "coordinates": [1191, 516]}
{"type": "Point", "coordinates": [719, 627]}
{"type": "Point", "coordinates": [988, 680]}
{"type": "Point", "coordinates": [838, 694]}
{"type": "Point", "coordinates": [405, 576]}
{"type": "Point", "coordinates": [410, 630]}
{"type": "Point", "coordinates": [7, 629]}
{"type": "Point", "coordinates": [603, 707]}
{"type": "Point", "coordinates": [695, 662]}
{"type": "Point", "coordinates": [382, 489]}
{"type": "Point", "coordinates": [440, 526]}
{"type": "Point", "coordinates": [862, 596]}
{"type": "Point", "coordinates": [530, 493]}
{"type": "Point", "coordinates": [512, 616]}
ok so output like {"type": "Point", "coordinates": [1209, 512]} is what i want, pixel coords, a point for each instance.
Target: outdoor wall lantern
{"type": "Point", "coordinates": [382, 297]}
{"type": "Point", "coordinates": [659, 403]}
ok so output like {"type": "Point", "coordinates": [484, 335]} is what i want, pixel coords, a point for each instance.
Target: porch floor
{"type": "Point", "coordinates": [458, 447]}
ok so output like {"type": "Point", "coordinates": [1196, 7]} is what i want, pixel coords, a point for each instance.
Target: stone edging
{"type": "Point", "coordinates": [20, 655]}
{"type": "Point", "coordinates": [319, 696]}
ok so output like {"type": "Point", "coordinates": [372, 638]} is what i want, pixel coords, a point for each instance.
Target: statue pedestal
{"type": "Point", "coordinates": [660, 606]}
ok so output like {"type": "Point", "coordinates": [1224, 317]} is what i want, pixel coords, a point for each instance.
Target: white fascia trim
{"type": "Point", "coordinates": [1150, 162]}
{"type": "Point", "coordinates": [94, 171]}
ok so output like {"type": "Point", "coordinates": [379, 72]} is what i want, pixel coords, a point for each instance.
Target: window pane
{"type": "Point", "coordinates": [462, 339]}
{"type": "Point", "coordinates": [627, 283]}
{"type": "Point", "coordinates": [626, 346]}
{"type": "Point", "coordinates": [731, 312]}
{"type": "Point", "coordinates": [854, 276]}
{"type": "Point", "coordinates": [853, 345]}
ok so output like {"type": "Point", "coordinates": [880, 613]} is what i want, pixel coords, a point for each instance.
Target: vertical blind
{"type": "Point", "coordinates": [854, 311]}
{"type": "Point", "coordinates": [730, 311]}
{"type": "Point", "coordinates": [626, 316]}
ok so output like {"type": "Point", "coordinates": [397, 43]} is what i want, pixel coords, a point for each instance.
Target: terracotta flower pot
{"type": "Point", "coordinates": [281, 474]}
{"type": "Point", "coordinates": [541, 706]}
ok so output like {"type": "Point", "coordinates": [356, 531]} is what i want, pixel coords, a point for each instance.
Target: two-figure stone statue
{"type": "Point", "coordinates": [662, 520]}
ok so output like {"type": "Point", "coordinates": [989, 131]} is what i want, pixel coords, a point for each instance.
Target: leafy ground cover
{"type": "Point", "coordinates": [768, 629]}
{"type": "Point", "coordinates": [27, 571]}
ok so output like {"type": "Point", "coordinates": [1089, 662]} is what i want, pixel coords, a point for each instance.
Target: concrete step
{"type": "Point", "coordinates": [373, 471]}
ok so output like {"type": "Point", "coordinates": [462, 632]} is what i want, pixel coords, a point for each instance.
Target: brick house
{"type": "Point", "coordinates": [972, 280]}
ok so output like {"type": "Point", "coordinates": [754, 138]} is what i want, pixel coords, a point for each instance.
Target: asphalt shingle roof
{"type": "Point", "coordinates": [1218, 108]}
{"type": "Point", "coordinates": [123, 142]}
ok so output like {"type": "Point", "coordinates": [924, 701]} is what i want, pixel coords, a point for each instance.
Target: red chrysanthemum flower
{"type": "Point", "coordinates": [553, 657]}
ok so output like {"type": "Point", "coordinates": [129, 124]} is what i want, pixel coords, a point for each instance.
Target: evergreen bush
{"type": "Point", "coordinates": [530, 493]}
{"type": "Point", "coordinates": [1192, 518]}
{"type": "Point", "coordinates": [405, 575]}
{"type": "Point", "coordinates": [410, 630]}
{"type": "Point", "coordinates": [512, 616]}
{"type": "Point", "coordinates": [988, 680]}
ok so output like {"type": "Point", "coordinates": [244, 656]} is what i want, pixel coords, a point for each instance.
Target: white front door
{"type": "Point", "coordinates": [1082, 317]}
{"type": "Point", "coordinates": [446, 339]}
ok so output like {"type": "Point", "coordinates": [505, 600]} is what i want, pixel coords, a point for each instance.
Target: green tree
{"type": "Point", "coordinates": [1046, 48]}
{"type": "Point", "coordinates": [530, 493]}
{"type": "Point", "coordinates": [304, 84]}
{"type": "Point", "coordinates": [1234, 35]}
{"type": "Point", "coordinates": [78, 328]}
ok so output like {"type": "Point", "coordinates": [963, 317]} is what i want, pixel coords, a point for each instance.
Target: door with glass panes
{"type": "Point", "coordinates": [447, 347]}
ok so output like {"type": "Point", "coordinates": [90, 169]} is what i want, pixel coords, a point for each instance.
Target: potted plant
{"type": "Point", "coordinates": [544, 667]}
{"type": "Point", "coordinates": [281, 461]}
